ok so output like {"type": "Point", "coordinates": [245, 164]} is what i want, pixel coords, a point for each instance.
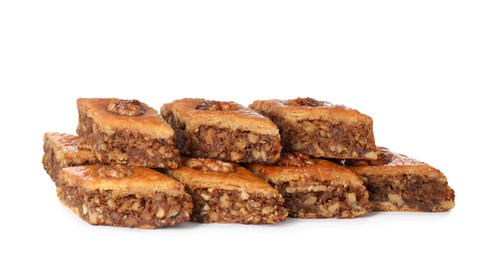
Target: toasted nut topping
{"type": "Point", "coordinates": [118, 171]}
{"type": "Point", "coordinates": [211, 105]}
{"type": "Point", "coordinates": [125, 107]}
{"type": "Point", "coordinates": [308, 102]}
{"type": "Point", "coordinates": [211, 165]}
{"type": "Point", "coordinates": [295, 159]}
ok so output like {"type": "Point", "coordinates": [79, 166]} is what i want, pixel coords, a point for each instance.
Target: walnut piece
{"type": "Point", "coordinates": [211, 165]}
{"type": "Point", "coordinates": [308, 102]}
{"type": "Point", "coordinates": [126, 107]}
{"type": "Point", "coordinates": [118, 171]}
{"type": "Point", "coordinates": [81, 144]}
{"type": "Point", "coordinates": [396, 199]}
{"type": "Point", "coordinates": [295, 159]}
{"type": "Point", "coordinates": [211, 105]}
{"type": "Point", "coordinates": [381, 159]}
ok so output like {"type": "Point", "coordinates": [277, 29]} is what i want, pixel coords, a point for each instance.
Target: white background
{"type": "Point", "coordinates": [424, 71]}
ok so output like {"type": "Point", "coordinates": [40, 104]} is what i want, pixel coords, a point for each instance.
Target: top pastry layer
{"type": "Point", "coordinates": [121, 180]}
{"type": "Point", "coordinates": [193, 113]}
{"type": "Point", "coordinates": [209, 173]}
{"type": "Point", "coordinates": [69, 147]}
{"type": "Point", "coordinates": [309, 109]}
{"type": "Point", "coordinates": [292, 167]}
{"type": "Point", "coordinates": [111, 114]}
{"type": "Point", "coordinates": [392, 164]}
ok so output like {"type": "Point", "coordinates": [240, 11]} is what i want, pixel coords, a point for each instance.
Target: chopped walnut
{"type": "Point", "coordinates": [118, 171]}
{"type": "Point", "coordinates": [383, 159]}
{"type": "Point", "coordinates": [211, 165]}
{"type": "Point", "coordinates": [308, 102]}
{"type": "Point", "coordinates": [125, 107]}
{"type": "Point", "coordinates": [217, 106]}
{"type": "Point", "coordinates": [81, 144]}
{"type": "Point", "coordinates": [295, 159]}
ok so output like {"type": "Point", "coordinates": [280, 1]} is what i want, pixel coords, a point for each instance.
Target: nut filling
{"type": "Point", "coordinates": [225, 144]}
{"type": "Point", "coordinates": [210, 165]}
{"type": "Point", "coordinates": [308, 102]}
{"type": "Point", "coordinates": [125, 107]}
{"type": "Point", "coordinates": [295, 159]}
{"type": "Point", "coordinates": [326, 139]}
{"type": "Point", "coordinates": [210, 205]}
{"type": "Point", "coordinates": [332, 201]}
{"type": "Point", "coordinates": [103, 207]}
{"type": "Point", "coordinates": [417, 192]}
{"type": "Point", "coordinates": [125, 147]}
{"type": "Point", "coordinates": [217, 106]}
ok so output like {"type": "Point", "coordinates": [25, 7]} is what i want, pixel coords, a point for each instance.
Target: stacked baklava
{"type": "Point", "coordinates": [220, 162]}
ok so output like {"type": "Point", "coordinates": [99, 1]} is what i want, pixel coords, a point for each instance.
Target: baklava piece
{"type": "Point", "coordinates": [127, 132]}
{"type": "Point", "coordinates": [398, 183]}
{"type": "Point", "coordinates": [222, 130]}
{"type": "Point", "coordinates": [315, 188]}
{"type": "Point", "coordinates": [224, 192]}
{"type": "Point", "coordinates": [124, 196]}
{"type": "Point", "coordinates": [320, 129]}
{"type": "Point", "coordinates": [65, 150]}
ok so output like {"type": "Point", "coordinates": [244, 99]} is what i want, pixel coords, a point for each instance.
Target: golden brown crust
{"type": "Point", "coordinates": [393, 164]}
{"type": "Point", "coordinates": [187, 110]}
{"type": "Point", "coordinates": [321, 170]}
{"type": "Point", "coordinates": [140, 181]}
{"type": "Point", "coordinates": [321, 111]}
{"type": "Point", "coordinates": [239, 179]}
{"type": "Point", "coordinates": [149, 122]}
{"type": "Point", "coordinates": [69, 147]}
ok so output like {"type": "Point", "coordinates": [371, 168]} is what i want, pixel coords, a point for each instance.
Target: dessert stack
{"type": "Point", "coordinates": [220, 162]}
